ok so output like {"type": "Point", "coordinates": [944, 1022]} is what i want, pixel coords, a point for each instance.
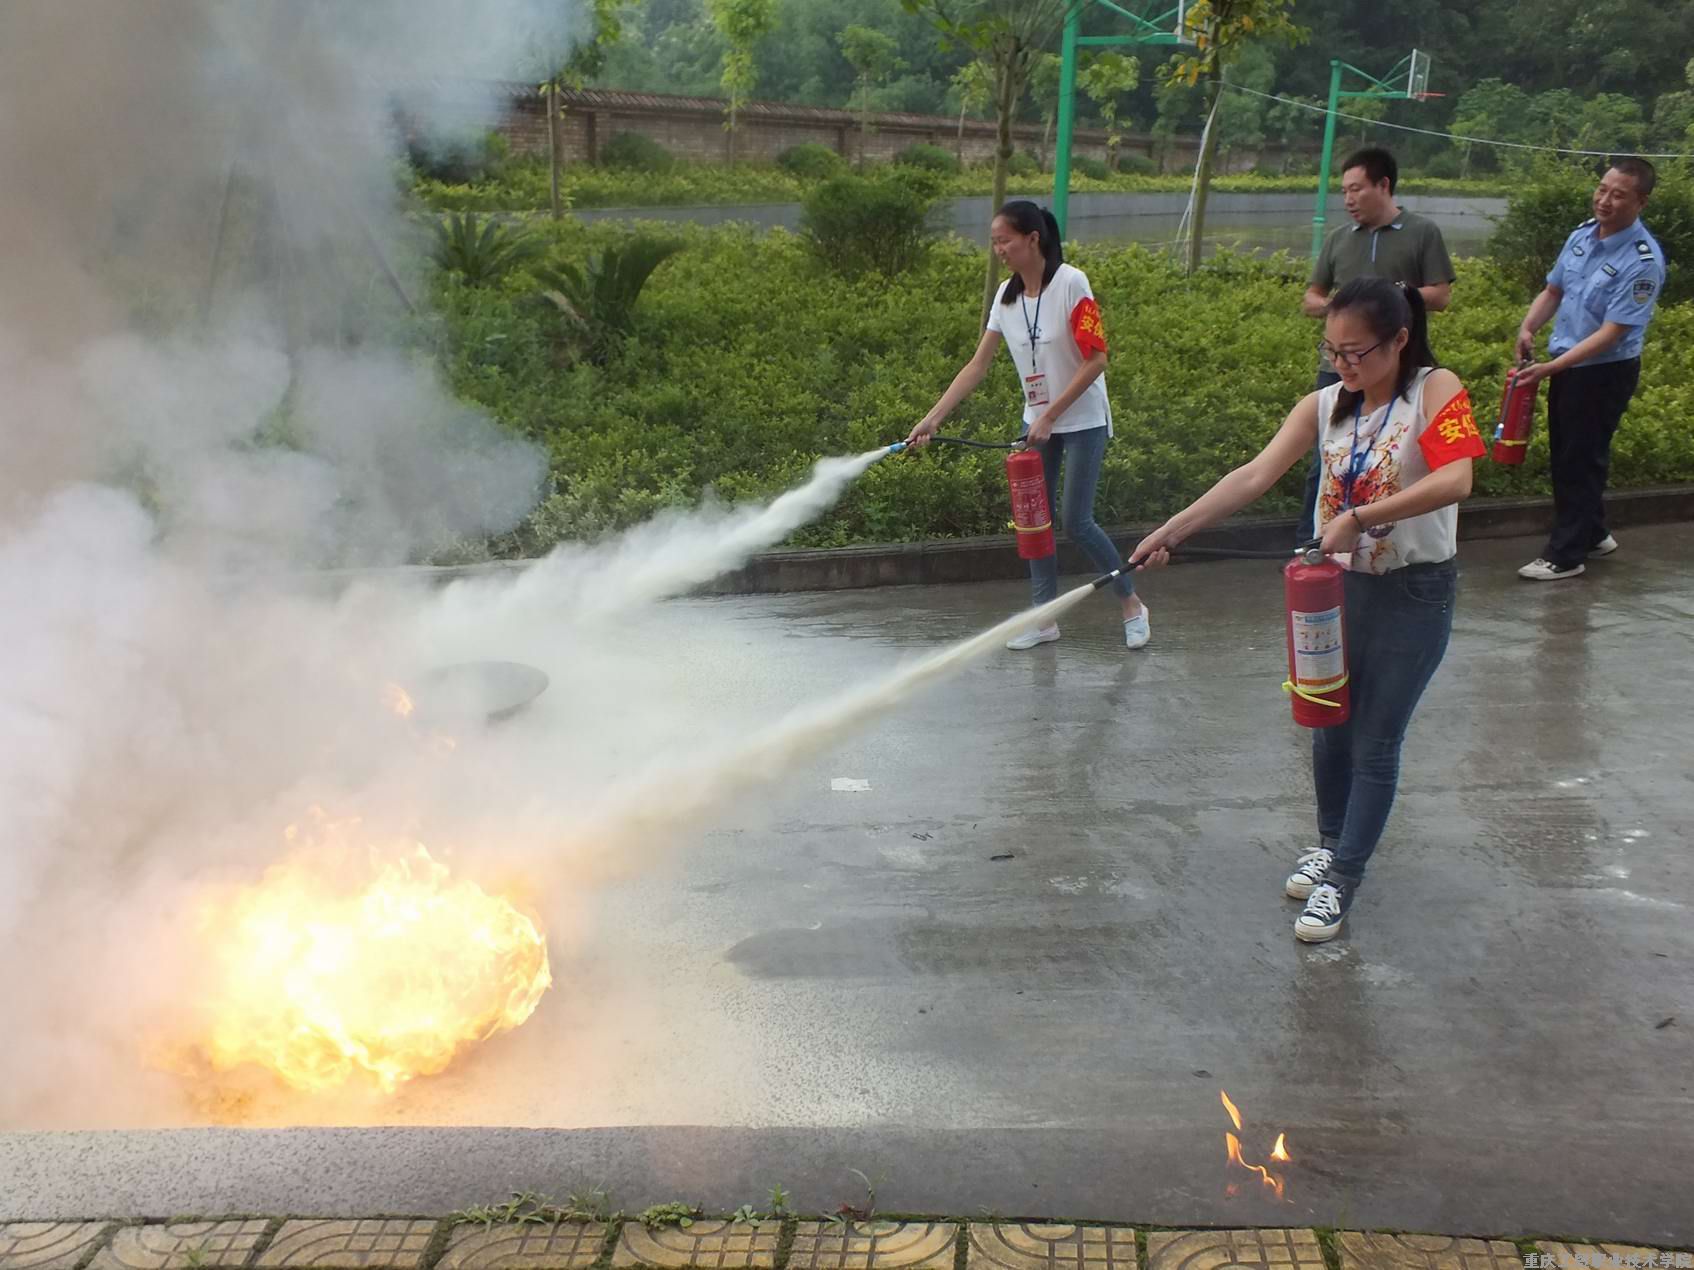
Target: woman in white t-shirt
{"type": "Point", "coordinates": [1397, 438]}
{"type": "Point", "coordinates": [1046, 316]}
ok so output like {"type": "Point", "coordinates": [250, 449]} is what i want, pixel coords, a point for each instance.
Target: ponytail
{"type": "Point", "coordinates": [1027, 218]}
{"type": "Point", "coordinates": [1387, 309]}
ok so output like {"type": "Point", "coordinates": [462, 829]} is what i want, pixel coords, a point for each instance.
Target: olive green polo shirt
{"type": "Point", "coordinates": [1408, 249]}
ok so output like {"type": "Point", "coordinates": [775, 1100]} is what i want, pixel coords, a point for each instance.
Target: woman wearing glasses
{"type": "Point", "coordinates": [1046, 315]}
{"type": "Point", "coordinates": [1397, 438]}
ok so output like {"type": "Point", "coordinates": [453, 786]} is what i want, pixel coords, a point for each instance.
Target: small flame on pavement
{"type": "Point", "coordinates": [1232, 1145]}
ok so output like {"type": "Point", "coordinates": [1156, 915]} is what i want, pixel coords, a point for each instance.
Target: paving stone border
{"type": "Point", "coordinates": [1274, 1249]}
{"type": "Point", "coordinates": [1362, 1251]}
{"type": "Point", "coordinates": [201, 1245]}
{"type": "Point", "coordinates": [525, 1246]}
{"type": "Point", "coordinates": [874, 1245]}
{"type": "Point", "coordinates": [362, 1244]}
{"type": "Point", "coordinates": [450, 1243]}
{"type": "Point", "coordinates": [721, 1245]}
{"type": "Point", "coordinates": [49, 1245]}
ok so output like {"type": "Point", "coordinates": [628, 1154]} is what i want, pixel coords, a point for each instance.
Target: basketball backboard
{"type": "Point", "coordinates": [1417, 76]}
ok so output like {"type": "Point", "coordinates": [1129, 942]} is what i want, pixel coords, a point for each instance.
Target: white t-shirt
{"type": "Point", "coordinates": [1065, 321]}
{"type": "Point", "coordinates": [1390, 449]}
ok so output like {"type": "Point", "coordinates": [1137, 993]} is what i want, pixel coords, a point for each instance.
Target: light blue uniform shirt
{"type": "Point", "coordinates": [1614, 279]}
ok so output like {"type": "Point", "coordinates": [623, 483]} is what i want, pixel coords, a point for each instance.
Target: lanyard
{"type": "Point", "coordinates": [1034, 328]}
{"type": "Point", "coordinates": [1353, 455]}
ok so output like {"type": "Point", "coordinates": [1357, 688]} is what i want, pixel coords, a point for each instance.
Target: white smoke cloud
{"type": "Point", "coordinates": [199, 411]}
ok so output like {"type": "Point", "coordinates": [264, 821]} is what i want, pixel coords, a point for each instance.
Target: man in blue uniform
{"type": "Point", "coordinates": [1603, 288]}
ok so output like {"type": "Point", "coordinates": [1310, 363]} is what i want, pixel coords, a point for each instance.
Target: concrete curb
{"type": "Point", "coordinates": [994, 558]}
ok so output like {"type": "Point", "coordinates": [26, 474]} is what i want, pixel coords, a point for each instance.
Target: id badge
{"type": "Point", "coordinates": [1035, 389]}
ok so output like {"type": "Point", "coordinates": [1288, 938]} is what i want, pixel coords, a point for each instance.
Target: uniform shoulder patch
{"type": "Point", "coordinates": [1643, 248]}
{"type": "Point", "coordinates": [1643, 290]}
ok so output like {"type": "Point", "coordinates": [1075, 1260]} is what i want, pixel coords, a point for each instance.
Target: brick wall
{"type": "Point", "coordinates": [693, 128]}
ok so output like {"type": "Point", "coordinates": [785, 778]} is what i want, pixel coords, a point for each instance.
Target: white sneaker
{"type": "Point", "coordinates": [1136, 631]}
{"type": "Point", "coordinates": [1604, 547]}
{"type": "Point", "coordinates": [1547, 571]}
{"type": "Point", "coordinates": [1309, 870]}
{"type": "Point", "coordinates": [1029, 639]}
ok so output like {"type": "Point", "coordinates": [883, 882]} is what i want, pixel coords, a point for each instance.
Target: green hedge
{"type": "Point", "coordinates": [750, 359]}
{"type": "Point", "coordinates": [522, 185]}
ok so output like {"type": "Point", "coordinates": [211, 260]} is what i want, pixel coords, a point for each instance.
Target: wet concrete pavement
{"type": "Point", "coordinates": [1014, 974]}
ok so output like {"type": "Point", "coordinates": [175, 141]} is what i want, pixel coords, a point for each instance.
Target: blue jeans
{"type": "Point", "coordinates": [1081, 454]}
{"type": "Point", "coordinates": [1398, 625]}
{"type": "Point", "coordinates": [1306, 530]}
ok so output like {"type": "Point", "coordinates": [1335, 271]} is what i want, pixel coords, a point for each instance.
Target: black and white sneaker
{"type": "Point", "coordinates": [1309, 870]}
{"type": "Point", "coordinates": [1325, 911]}
{"type": "Point", "coordinates": [1604, 547]}
{"type": "Point", "coordinates": [1543, 570]}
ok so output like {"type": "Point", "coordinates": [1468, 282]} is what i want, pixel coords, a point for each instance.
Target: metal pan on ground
{"type": "Point", "coordinates": [477, 691]}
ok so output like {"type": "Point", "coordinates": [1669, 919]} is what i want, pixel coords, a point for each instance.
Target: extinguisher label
{"type": "Point", "coordinates": [1029, 503]}
{"type": "Point", "coordinates": [1318, 658]}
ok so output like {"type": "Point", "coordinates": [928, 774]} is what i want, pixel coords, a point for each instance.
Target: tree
{"type": "Point", "coordinates": [1006, 36]}
{"type": "Point", "coordinates": [1673, 115]}
{"type": "Point", "coordinates": [1365, 111]}
{"type": "Point", "coordinates": [1178, 105]}
{"type": "Point", "coordinates": [1220, 31]}
{"type": "Point", "coordinates": [975, 90]}
{"type": "Point", "coordinates": [1553, 119]}
{"type": "Point", "coordinates": [1045, 74]}
{"type": "Point", "coordinates": [1241, 118]}
{"type": "Point", "coordinates": [1105, 79]}
{"type": "Point", "coordinates": [871, 55]}
{"type": "Point", "coordinates": [586, 60]}
{"type": "Point", "coordinates": [1291, 121]}
{"type": "Point", "coordinates": [1490, 109]}
{"type": "Point", "coordinates": [1611, 122]}
{"type": "Point", "coordinates": [741, 23]}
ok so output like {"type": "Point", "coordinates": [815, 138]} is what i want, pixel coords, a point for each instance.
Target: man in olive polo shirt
{"type": "Point", "coordinates": [1384, 242]}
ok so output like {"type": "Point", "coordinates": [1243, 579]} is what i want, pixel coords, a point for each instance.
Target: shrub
{"type": "Point", "coordinates": [1554, 198]}
{"type": "Point", "coordinates": [459, 160]}
{"type": "Point", "coordinates": [811, 161]}
{"type": "Point", "coordinates": [1093, 169]}
{"type": "Point", "coordinates": [599, 299]}
{"type": "Point", "coordinates": [1022, 163]}
{"type": "Point", "coordinates": [480, 255]}
{"type": "Point", "coordinates": [858, 225]}
{"type": "Point", "coordinates": [930, 158]}
{"type": "Point", "coordinates": [1446, 165]}
{"type": "Point", "coordinates": [1141, 165]}
{"type": "Point", "coordinates": [636, 152]}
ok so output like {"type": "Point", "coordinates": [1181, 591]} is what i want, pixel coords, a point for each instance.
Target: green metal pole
{"type": "Point", "coordinates": [1328, 146]}
{"type": "Point", "coordinates": [1067, 120]}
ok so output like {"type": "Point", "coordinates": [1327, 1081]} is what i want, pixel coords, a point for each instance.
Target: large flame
{"type": "Point", "coordinates": [359, 961]}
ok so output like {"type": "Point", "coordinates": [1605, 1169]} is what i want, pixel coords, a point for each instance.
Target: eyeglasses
{"type": "Point", "coordinates": [1347, 357]}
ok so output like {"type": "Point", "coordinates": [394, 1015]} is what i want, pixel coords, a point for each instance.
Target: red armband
{"type": "Point", "coordinates": [1087, 328]}
{"type": "Point", "coordinates": [1452, 434]}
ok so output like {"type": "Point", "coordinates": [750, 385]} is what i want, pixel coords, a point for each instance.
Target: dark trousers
{"type": "Point", "coordinates": [1584, 407]}
{"type": "Point", "coordinates": [1398, 625]}
{"type": "Point", "coordinates": [1306, 530]}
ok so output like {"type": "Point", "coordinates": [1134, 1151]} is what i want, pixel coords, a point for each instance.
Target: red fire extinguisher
{"type": "Point", "coordinates": [1031, 520]}
{"type": "Point", "coordinates": [1317, 640]}
{"type": "Point", "coordinates": [1517, 420]}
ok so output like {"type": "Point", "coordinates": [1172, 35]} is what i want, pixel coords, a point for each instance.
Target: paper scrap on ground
{"type": "Point", "coordinates": [848, 785]}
